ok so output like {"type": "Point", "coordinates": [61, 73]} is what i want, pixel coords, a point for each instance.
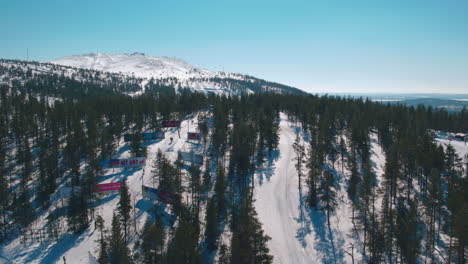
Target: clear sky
{"type": "Point", "coordinates": [318, 46]}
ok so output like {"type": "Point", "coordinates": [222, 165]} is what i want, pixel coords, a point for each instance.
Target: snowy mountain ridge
{"type": "Point", "coordinates": [173, 72]}
{"type": "Point", "coordinates": [136, 64]}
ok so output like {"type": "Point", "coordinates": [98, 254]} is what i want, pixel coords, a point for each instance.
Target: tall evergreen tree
{"type": "Point", "coordinates": [153, 242]}
{"type": "Point", "coordinates": [103, 256]}
{"type": "Point", "coordinates": [220, 192]}
{"type": "Point", "coordinates": [328, 194]}
{"type": "Point", "coordinates": [118, 251]}
{"type": "Point", "coordinates": [249, 243]}
{"type": "Point", "coordinates": [211, 230]}
{"type": "Point", "coordinates": [124, 208]}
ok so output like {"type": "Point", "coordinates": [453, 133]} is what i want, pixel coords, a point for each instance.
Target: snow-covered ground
{"type": "Point", "coordinates": [460, 147]}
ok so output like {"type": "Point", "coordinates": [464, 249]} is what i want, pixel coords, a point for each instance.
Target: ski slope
{"type": "Point", "coordinates": [278, 205]}
{"type": "Point", "coordinates": [300, 234]}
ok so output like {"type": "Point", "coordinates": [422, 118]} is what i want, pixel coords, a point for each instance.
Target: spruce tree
{"type": "Point", "coordinates": [248, 243]}
{"type": "Point", "coordinates": [327, 194]}
{"type": "Point", "coordinates": [124, 208]}
{"type": "Point", "coordinates": [153, 241]}
{"type": "Point", "coordinates": [220, 190]}
{"type": "Point", "coordinates": [184, 245]}
{"type": "Point", "coordinates": [23, 210]}
{"type": "Point", "coordinates": [300, 158]}
{"type": "Point", "coordinates": [118, 251]}
{"type": "Point", "coordinates": [206, 177]}
{"type": "Point", "coordinates": [211, 230]}
{"type": "Point", "coordinates": [137, 149]}
{"type": "Point", "coordinates": [103, 256]}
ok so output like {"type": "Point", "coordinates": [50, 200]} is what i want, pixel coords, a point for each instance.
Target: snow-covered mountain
{"type": "Point", "coordinates": [136, 64]}
{"type": "Point", "coordinates": [173, 72]}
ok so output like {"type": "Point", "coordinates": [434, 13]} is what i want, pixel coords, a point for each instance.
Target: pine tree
{"type": "Point", "coordinates": [300, 158]}
{"type": "Point", "coordinates": [461, 233]}
{"type": "Point", "coordinates": [23, 211]}
{"type": "Point", "coordinates": [203, 127]}
{"type": "Point", "coordinates": [206, 177]}
{"type": "Point", "coordinates": [248, 243]}
{"type": "Point", "coordinates": [124, 208]}
{"type": "Point", "coordinates": [153, 241]}
{"type": "Point", "coordinates": [432, 209]}
{"type": "Point", "coordinates": [195, 184]}
{"type": "Point", "coordinates": [315, 166]}
{"type": "Point", "coordinates": [118, 251]}
{"type": "Point", "coordinates": [137, 149]}
{"type": "Point", "coordinates": [184, 245]}
{"type": "Point", "coordinates": [99, 224]}
{"type": "Point", "coordinates": [4, 191]}
{"type": "Point", "coordinates": [77, 211]}
{"type": "Point", "coordinates": [342, 151]}
{"type": "Point", "coordinates": [211, 230]}
{"type": "Point", "coordinates": [220, 190]}
{"type": "Point", "coordinates": [354, 176]}
{"type": "Point", "coordinates": [328, 194]}
{"type": "Point", "coordinates": [408, 236]}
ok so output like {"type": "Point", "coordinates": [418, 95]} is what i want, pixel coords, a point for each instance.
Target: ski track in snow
{"type": "Point", "coordinates": [300, 234]}
{"type": "Point", "coordinates": [278, 207]}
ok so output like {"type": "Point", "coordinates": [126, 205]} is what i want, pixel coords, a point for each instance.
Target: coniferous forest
{"type": "Point", "coordinates": [56, 129]}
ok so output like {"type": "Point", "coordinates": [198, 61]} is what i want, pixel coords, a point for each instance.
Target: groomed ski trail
{"type": "Point", "coordinates": [278, 206]}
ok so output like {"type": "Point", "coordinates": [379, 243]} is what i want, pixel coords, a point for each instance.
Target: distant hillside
{"type": "Point", "coordinates": [173, 72]}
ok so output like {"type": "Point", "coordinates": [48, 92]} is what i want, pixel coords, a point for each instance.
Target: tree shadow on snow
{"type": "Point", "coordinates": [267, 170]}
{"type": "Point", "coordinates": [305, 223]}
{"type": "Point", "coordinates": [331, 250]}
{"type": "Point", "coordinates": [106, 177]}
{"type": "Point", "coordinates": [127, 172]}
{"type": "Point", "coordinates": [104, 200]}
{"type": "Point", "coordinates": [326, 243]}
{"type": "Point", "coordinates": [150, 142]}
{"type": "Point", "coordinates": [121, 150]}
{"type": "Point", "coordinates": [52, 254]}
{"type": "Point", "coordinates": [155, 210]}
{"type": "Point", "coordinates": [61, 247]}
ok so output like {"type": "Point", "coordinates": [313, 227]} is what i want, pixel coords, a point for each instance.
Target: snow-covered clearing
{"type": "Point", "coordinates": [460, 147]}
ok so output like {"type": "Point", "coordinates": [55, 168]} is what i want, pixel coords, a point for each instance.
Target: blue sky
{"type": "Point", "coordinates": [318, 46]}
